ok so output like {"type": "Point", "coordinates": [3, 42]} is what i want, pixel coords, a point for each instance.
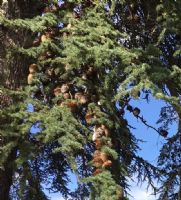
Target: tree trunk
{"type": "Point", "coordinates": [13, 71]}
{"type": "Point", "coordinates": [6, 175]}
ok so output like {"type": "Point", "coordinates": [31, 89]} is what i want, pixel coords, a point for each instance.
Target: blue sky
{"type": "Point", "coordinates": [153, 141]}
{"type": "Point", "coordinates": [149, 149]}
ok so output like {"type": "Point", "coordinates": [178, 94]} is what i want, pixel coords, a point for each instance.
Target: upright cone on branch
{"type": "Point", "coordinates": [30, 79]}
{"type": "Point", "coordinates": [89, 115]}
{"type": "Point", "coordinates": [64, 88]}
{"type": "Point", "coordinates": [33, 68]}
{"type": "Point", "coordinates": [57, 91]}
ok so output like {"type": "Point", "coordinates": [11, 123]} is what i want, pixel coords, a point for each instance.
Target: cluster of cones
{"type": "Point", "coordinates": [33, 68]}
{"type": "Point", "coordinates": [101, 160]}
{"type": "Point", "coordinates": [72, 100]}
{"type": "Point", "coordinates": [70, 96]}
{"type": "Point", "coordinates": [44, 37]}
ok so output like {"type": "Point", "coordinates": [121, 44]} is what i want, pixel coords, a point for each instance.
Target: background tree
{"type": "Point", "coordinates": [155, 28]}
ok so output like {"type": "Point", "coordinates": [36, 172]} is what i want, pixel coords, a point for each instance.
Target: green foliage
{"type": "Point", "coordinates": [105, 51]}
{"type": "Point", "coordinates": [104, 187]}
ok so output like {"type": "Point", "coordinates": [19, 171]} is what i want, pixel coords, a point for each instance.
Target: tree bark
{"type": "Point", "coordinates": [14, 70]}
{"type": "Point", "coordinates": [6, 175]}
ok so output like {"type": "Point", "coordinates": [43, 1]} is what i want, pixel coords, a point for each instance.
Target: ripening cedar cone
{"type": "Point", "coordinates": [96, 153]}
{"type": "Point", "coordinates": [95, 136]}
{"type": "Point", "coordinates": [106, 130]}
{"type": "Point", "coordinates": [98, 144]}
{"type": "Point", "coordinates": [163, 132]}
{"type": "Point", "coordinates": [106, 164]}
{"type": "Point", "coordinates": [103, 156]}
{"type": "Point", "coordinates": [54, 8]}
{"type": "Point", "coordinates": [64, 88]}
{"type": "Point", "coordinates": [57, 91]}
{"type": "Point", "coordinates": [83, 99]}
{"type": "Point", "coordinates": [66, 95]}
{"type": "Point", "coordinates": [72, 105]}
{"type": "Point", "coordinates": [30, 79]}
{"type": "Point", "coordinates": [102, 130]}
{"type": "Point", "coordinates": [46, 9]}
{"type": "Point", "coordinates": [136, 112]}
{"type": "Point", "coordinates": [89, 115]}
{"type": "Point", "coordinates": [32, 68]}
{"type": "Point", "coordinates": [98, 128]}
{"type": "Point", "coordinates": [78, 95]}
{"type": "Point", "coordinates": [97, 156]}
{"type": "Point", "coordinates": [45, 37]}
{"type": "Point", "coordinates": [97, 161]}
{"type": "Point", "coordinates": [98, 132]}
